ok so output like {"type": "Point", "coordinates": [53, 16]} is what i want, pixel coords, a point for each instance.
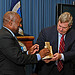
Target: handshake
{"type": "Point", "coordinates": [35, 48]}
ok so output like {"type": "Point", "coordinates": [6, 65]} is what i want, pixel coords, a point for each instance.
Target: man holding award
{"type": "Point", "coordinates": [60, 40]}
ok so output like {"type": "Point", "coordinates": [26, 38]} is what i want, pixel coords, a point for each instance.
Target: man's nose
{"type": "Point", "coordinates": [61, 28]}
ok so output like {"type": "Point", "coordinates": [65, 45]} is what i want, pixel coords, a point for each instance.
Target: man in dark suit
{"type": "Point", "coordinates": [12, 59]}
{"type": "Point", "coordinates": [53, 35]}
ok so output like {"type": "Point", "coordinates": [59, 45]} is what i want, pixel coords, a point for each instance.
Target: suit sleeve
{"type": "Point", "coordinates": [41, 39]}
{"type": "Point", "coordinates": [70, 54]}
{"type": "Point", "coordinates": [12, 51]}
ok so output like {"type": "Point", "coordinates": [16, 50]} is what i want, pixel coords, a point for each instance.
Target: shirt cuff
{"type": "Point", "coordinates": [62, 57]}
{"type": "Point", "coordinates": [27, 52]}
{"type": "Point", "coordinates": [38, 57]}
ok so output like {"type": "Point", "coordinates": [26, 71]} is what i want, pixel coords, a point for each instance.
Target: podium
{"type": "Point", "coordinates": [26, 40]}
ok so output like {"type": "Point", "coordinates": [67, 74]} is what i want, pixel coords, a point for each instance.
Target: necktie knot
{"type": "Point", "coordinates": [62, 37]}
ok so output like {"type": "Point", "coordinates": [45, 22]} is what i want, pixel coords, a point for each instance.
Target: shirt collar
{"type": "Point", "coordinates": [61, 35]}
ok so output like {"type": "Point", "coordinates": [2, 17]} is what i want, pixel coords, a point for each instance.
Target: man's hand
{"type": "Point", "coordinates": [44, 52]}
{"type": "Point", "coordinates": [33, 49]}
{"type": "Point", "coordinates": [55, 57]}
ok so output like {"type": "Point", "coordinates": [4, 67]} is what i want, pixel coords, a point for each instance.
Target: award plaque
{"type": "Point", "coordinates": [47, 45]}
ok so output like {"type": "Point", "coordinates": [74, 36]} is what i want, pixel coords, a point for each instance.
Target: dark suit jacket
{"type": "Point", "coordinates": [50, 34]}
{"type": "Point", "coordinates": [12, 60]}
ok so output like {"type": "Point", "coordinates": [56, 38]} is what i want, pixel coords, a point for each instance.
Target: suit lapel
{"type": "Point", "coordinates": [55, 41]}
{"type": "Point", "coordinates": [68, 40]}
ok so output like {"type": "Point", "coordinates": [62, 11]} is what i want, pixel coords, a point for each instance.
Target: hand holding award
{"type": "Point", "coordinates": [47, 45]}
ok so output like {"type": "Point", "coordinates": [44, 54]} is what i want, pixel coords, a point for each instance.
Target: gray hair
{"type": "Point", "coordinates": [66, 17]}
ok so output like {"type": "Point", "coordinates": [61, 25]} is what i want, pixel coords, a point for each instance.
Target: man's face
{"type": "Point", "coordinates": [62, 28]}
{"type": "Point", "coordinates": [16, 24]}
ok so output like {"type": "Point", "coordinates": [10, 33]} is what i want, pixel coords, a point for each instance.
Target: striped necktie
{"type": "Point", "coordinates": [61, 50]}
